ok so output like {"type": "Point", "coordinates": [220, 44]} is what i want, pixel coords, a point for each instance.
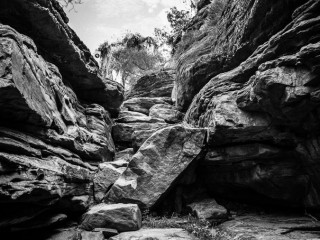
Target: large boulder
{"type": "Point", "coordinates": [158, 234]}
{"type": "Point", "coordinates": [157, 165]}
{"type": "Point", "coordinates": [47, 24]}
{"type": "Point", "coordinates": [122, 217]}
{"type": "Point", "coordinates": [155, 84]}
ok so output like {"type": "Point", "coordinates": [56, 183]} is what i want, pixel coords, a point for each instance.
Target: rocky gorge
{"type": "Point", "coordinates": [229, 135]}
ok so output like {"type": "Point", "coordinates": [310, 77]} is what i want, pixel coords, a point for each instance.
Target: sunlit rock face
{"type": "Point", "coordinates": [157, 165]}
{"type": "Point", "coordinates": [263, 114]}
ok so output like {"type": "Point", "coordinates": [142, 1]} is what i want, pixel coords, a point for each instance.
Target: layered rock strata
{"type": "Point", "coordinates": [263, 114]}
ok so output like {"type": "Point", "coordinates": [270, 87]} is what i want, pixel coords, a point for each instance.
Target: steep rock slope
{"type": "Point", "coordinates": [243, 26]}
{"type": "Point", "coordinates": [46, 23]}
{"type": "Point", "coordinates": [263, 115]}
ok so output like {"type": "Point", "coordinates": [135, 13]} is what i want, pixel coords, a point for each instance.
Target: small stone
{"type": "Point", "coordinates": [208, 209]}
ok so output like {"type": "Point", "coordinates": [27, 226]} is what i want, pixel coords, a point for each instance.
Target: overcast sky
{"type": "Point", "coordinates": [96, 21]}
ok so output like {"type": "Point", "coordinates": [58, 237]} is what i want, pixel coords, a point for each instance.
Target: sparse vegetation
{"type": "Point", "coordinates": [192, 35]}
{"type": "Point", "coordinates": [198, 228]}
{"type": "Point", "coordinates": [177, 19]}
{"type": "Point", "coordinates": [129, 58]}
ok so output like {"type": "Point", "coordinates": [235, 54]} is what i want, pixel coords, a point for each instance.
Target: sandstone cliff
{"type": "Point", "coordinates": [53, 132]}
{"type": "Point", "coordinates": [262, 114]}
{"type": "Point", "coordinates": [250, 134]}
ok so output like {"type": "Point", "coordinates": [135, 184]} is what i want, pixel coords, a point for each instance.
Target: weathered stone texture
{"type": "Point", "coordinates": [157, 165]}
{"type": "Point", "coordinates": [243, 26]}
{"type": "Point", "coordinates": [50, 140]}
{"type": "Point", "coordinates": [156, 84]}
{"type": "Point", "coordinates": [263, 114]}
{"type": "Point", "coordinates": [46, 23]}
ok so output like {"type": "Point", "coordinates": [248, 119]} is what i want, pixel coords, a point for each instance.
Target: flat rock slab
{"type": "Point", "coordinates": [76, 234]}
{"type": "Point", "coordinates": [166, 112]}
{"type": "Point", "coordinates": [122, 217]}
{"type": "Point", "coordinates": [209, 209]}
{"type": "Point", "coordinates": [157, 164]}
{"type": "Point", "coordinates": [143, 104]}
{"type": "Point", "coordinates": [266, 227]}
{"type": "Point", "coordinates": [132, 117]}
{"type": "Point", "coordinates": [156, 234]}
{"type": "Point", "coordinates": [122, 132]}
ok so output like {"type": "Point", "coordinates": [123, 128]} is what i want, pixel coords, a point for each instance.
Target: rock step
{"type": "Point", "coordinates": [156, 234]}
{"type": "Point", "coordinates": [122, 217]}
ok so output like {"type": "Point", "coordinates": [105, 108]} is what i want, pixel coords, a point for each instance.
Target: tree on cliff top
{"type": "Point", "coordinates": [177, 19]}
{"type": "Point", "coordinates": [129, 58]}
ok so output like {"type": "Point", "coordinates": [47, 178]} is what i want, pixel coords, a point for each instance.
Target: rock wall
{"type": "Point", "coordinates": [251, 131]}
{"type": "Point", "coordinates": [263, 114]}
{"type": "Point", "coordinates": [45, 22]}
{"type": "Point", "coordinates": [243, 26]}
{"type": "Point", "coordinates": [53, 131]}
{"type": "Point", "coordinates": [156, 84]}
